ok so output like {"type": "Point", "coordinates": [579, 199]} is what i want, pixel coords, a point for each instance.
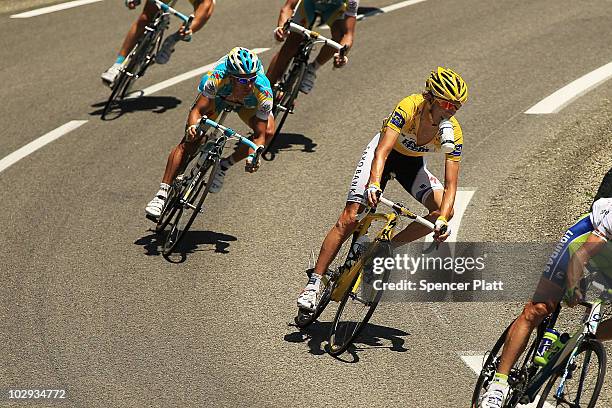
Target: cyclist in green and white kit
{"type": "Point", "coordinates": [586, 243]}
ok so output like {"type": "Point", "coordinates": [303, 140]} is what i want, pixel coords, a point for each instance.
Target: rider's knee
{"type": "Point", "coordinates": [347, 219]}
{"type": "Point", "coordinates": [535, 312]}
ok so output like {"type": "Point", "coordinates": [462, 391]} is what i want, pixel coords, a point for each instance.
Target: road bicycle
{"type": "Point", "coordinates": [286, 91]}
{"type": "Point", "coordinates": [354, 284]}
{"type": "Point", "coordinates": [143, 54]}
{"type": "Point", "coordinates": [573, 376]}
{"type": "Point", "coordinates": [189, 190]}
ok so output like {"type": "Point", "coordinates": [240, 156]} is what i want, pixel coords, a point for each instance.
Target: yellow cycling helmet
{"type": "Point", "coordinates": [447, 84]}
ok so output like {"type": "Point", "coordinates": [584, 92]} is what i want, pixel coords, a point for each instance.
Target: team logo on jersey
{"type": "Point", "coordinates": [398, 120]}
{"type": "Point", "coordinates": [457, 151]}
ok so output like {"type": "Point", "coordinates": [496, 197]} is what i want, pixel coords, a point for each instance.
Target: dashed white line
{"type": "Point", "coordinates": [38, 143]}
{"type": "Point", "coordinates": [564, 96]}
{"type": "Point", "coordinates": [51, 9]}
{"type": "Point", "coordinates": [183, 77]}
{"type": "Point", "coordinates": [476, 362]}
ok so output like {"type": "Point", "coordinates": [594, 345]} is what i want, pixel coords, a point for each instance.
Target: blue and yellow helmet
{"type": "Point", "coordinates": [242, 61]}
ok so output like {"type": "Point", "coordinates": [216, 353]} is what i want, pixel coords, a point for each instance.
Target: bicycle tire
{"type": "Point", "coordinates": [488, 368]}
{"type": "Point", "coordinates": [344, 330]}
{"type": "Point", "coordinates": [589, 347]}
{"type": "Point", "coordinates": [291, 88]}
{"type": "Point", "coordinates": [144, 61]}
{"type": "Point", "coordinates": [200, 191]}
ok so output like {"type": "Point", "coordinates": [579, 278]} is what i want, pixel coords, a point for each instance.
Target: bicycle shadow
{"type": "Point", "coordinates": [156, 104]}
{"type": "Point", "coordinates": [373, 336]}
{"type": "Point", "coordinates": [286, 142]}
{"type": "Point", "coordinates": [192, 242]}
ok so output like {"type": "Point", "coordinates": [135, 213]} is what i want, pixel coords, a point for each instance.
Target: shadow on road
{"type": "Point", "coordinates": [286, 142]}
{"type": "Point", "coordinates": [373, 336]}
{"type": "Point", "coordinates": [157, 104]}
{"type": "Point", "coordinates": [192, 242]}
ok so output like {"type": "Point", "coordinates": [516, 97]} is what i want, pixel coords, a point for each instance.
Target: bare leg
{"type": "Point", "coordinates": [604, 331]}
{"type": "Point", "coordinates": [176, 159]}
{"type": "Point", "coordinates": [327, 52]}
{"type": "Point", "coordinates": [281, 59]}
{"type": "Point", "coordinates": [415, 230]}
{"type": "Point", "coordinates": [530, 318]}
{"type": "Point", "coordinates": [137, 28]}
{"type": "Point", "coordinates": [337, 235]}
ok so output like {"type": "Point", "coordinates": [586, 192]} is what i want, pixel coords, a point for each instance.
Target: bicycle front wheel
{"type": "Point", "coordinates": [190, 204]}
{"type": "Point", "coordinates": [488, 369]}
{"type": "Point", "coordinates": [584, 380]}
{"type": "Point", "coordinates": [359, 301]}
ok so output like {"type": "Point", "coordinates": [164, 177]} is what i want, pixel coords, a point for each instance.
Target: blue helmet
{"type": "Point", "coordinates": [242, 61]}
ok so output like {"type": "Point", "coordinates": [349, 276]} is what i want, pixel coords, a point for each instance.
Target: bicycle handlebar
{"type": "Point", "coordinates": [232, 134]}
{"type": "Point", "coordinates": [296, 28]}
{"type": "Point", "coordinates": [168, 9]}
{"type": "Point", "coordinates": [400, 209]}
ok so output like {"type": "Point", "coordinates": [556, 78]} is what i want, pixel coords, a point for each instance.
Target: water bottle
{"type": "Point", "coordinates": [447, 136]}
{"type": "Point", "coordinates": [556, 347]}
{"type": "Point", "coordinates": [551, 336]}
{"type": "Point", "coordinates": [356, 250]}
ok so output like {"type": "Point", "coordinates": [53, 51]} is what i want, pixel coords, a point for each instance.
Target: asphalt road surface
{"type": "Point", "coordinates": [87, 303]}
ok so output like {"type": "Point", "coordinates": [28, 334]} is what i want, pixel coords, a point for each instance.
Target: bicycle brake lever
{"type": "Point", "coordinates": [187, 27]}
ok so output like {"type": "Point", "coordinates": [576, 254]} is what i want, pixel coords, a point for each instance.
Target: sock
{"type": "Point", "coordinates": [120, 59]}
{"type": "Point", "coordinates": [500, 378]}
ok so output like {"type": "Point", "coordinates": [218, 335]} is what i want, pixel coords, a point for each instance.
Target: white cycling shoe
{"type": "Point", "coordinates": [111, 74]}
{"type": "Point", "coordinates": [309, 297]}
{"type": "Point", "coordinates": [308, 80]}
{"type": "Point", "coordinates": [217, 183]}
{"type": "Point", "coordinates": [155, 206]}
{"type": "Point", "coordinates": [495, 395]}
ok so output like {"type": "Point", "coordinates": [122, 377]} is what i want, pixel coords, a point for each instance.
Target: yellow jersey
{"type": "Point", "coordinates": [405, 119]}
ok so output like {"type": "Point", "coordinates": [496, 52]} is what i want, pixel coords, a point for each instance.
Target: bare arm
{"type": "Point", "coordinates": [451, 176]}
{"type": "Point", "coordinates": [199, 109]}
{"type": "Point", "coordinates": [350, 23]}
{"type": "Point", "coordinates": [203, 12]}
{"type": "Point", "coordinates": [287, 11]}
{"type": "Point", "coordinates": [581, 258]}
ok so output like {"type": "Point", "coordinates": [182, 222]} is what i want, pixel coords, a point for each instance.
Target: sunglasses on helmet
{"type": "Point", "coordinates": [245, 80]}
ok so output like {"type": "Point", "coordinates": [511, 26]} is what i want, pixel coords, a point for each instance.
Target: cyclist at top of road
{"type": "Point", "coordinates": [203, 9]}
{"type": "Point", "coordinates": [237, 82]}
{"type": "Point", "coordinates": [408, 133]}
{"type": "Point", "coordinates": [587, 242]}
{"type": "Point", "coordinates": [340, 15]}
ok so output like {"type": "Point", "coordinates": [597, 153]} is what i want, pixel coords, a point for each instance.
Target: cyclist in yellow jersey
{"type": "Point", "coordinates": [340, 15]}
{"type": "Point", "coordinates": [202, 11]}
{"type": "Point", "coordinates": [419, 124]}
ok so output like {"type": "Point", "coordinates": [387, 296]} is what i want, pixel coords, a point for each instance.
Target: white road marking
{"type": "Point", "coordinates": [385, 9]}
{"type": "Point", "coordinates": [51, 9]}
{"type": "Point", "coordinates": [564, 96]}
{"type": "Point", "coordinates": [38, 143]}
{"type": "Point", "coordinates": [183, 77]}
{"type": "Point", "coordinates": [476, 362]}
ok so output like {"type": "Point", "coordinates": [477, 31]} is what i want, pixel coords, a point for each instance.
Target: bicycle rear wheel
{"type": "Point", "coordinates": [583, 385]}
{"type": "Point", "coordinates": [190, 204]}
{"type": "Point", "coordinates": [359, 301]}
{"type": "Point", "coordinates": [290, 89]}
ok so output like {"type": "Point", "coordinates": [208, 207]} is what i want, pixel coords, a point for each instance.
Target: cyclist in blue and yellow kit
{"type": "Point", "coordinates": [238, 82]}
{"type": "Point", "coordinates": [586, 243]}
{"type": "Point", "coordinates": [202, 11]}
{"type": "Point", "coordinates": [340, 15]}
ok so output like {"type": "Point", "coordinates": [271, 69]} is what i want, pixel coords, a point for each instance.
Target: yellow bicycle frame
{"type": "Point", "coordinates": [384, 235]}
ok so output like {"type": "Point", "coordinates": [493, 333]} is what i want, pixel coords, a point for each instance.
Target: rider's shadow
{"type": "Point", "coordinates": [291, 142]}
{"type": "Point", "coordinates": [156, 104]}
{"type": "Point", "coordinates": [193, 241]}
{"type": "Point", "coordinates": [372, 336]}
